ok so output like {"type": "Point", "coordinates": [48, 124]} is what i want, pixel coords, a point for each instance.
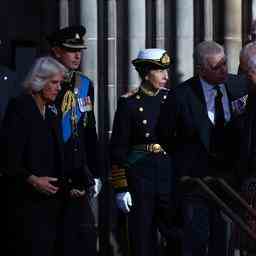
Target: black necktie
{"type": "Point", "coordinates": [218, 131]}
{"type": "Point", "coordinates": [219, 118]}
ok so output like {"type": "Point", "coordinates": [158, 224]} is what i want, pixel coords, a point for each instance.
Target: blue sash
{"type": "Point", "coordinates": [67, 128]}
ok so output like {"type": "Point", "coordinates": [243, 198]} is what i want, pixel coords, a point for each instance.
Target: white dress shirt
{"type": "Point", "coordinates": [209, 95]}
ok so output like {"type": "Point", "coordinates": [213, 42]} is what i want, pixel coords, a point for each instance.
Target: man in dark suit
{"type": "Point", "coordinates": [194, 126]}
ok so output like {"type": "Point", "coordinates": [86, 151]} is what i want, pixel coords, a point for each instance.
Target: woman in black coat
{"type": "Point", "coordinates": [32, 162]}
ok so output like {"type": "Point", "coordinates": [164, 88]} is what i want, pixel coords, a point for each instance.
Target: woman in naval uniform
{"type": "Point", "coordinates": [141, 169]}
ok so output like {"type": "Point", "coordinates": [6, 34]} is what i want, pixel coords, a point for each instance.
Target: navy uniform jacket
{"type": "Point", "coordinates": [81, 154]}
{"type": "Point", "coordinates": [134, 124]}
{"type": "Point", "coordinates": [185, 129]}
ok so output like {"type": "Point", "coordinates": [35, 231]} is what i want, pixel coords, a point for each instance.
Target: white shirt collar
{"type": "Point", "coordinates": [208, 87]}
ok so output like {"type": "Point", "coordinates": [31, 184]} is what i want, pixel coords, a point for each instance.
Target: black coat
{"type": "Point", "coordinates": [30, 144]}
{"type": "Point", "coordinates": [184, 128]}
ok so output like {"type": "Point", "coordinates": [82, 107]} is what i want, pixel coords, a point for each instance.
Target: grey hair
{"type": "Point", "coordinates": [248, 50]}
{"type": "Point", "coordinates": [204, 49]}
{"type": "Point", "coordinates": [40, 73]}
{"type": "Point", "coordinates": [252, 62]}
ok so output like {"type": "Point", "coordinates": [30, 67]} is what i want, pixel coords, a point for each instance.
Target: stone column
{"type": "Point", "coordinates": [233, 33]}
{"type": "Point", "coordinates": [136, 36]}
{"type": "Point", "coordinates": [253, 9]}
{"type": "Point", "coordinates": [64, 13]}
{"type": "Point", "coordinates": [112, 59]}
{"type": "Point", "coordinates": [89, 65]}
{"type": "Point", "coordinates": [160, 22]}
{"type": "Point", "coordinates": [185, 40]}
{"type": "Point", "coordinates": [208, 20]}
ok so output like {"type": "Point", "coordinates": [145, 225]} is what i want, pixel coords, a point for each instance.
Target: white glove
{"type": "Point", "coordinates": [124, 201]}
{"type": "Point", "coordinates": [97, 187]}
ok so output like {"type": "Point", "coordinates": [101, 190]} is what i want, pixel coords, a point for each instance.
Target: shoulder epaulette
{"type": "Point", "coordinates": [130, 93]}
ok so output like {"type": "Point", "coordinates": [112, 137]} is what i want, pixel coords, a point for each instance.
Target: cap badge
{"type": "Point", "coordinates": [165, 59]}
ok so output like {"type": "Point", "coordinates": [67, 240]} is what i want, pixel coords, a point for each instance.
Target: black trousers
{"type": "Point", "coordinates": [41, 225]}
{"type": "Point", "coordinates": [150, 185]}
{"type": "Point", "coordinates": [205, 230]}
{"type": "Point", "coordinates": [77, 232]}
{"type": "Point", "coordinates": [31, 224]}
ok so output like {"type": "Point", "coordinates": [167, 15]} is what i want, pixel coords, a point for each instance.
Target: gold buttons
{"type": "Point", "coordinates": [147, 134]}
{"type": "Point", "coordinates": [165, 96]}
{"type": "Point", "coordinates": [141, 109]}
{"type": "Point", "coordinates": [137, 96]}
{"type": "Point", "coordinates": [144, 121]}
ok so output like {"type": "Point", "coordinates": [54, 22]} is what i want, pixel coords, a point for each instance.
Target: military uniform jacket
{"type": "Point", "coordinates": [81, 154]}
{"type": "Point", "coordinates": [134, 124]}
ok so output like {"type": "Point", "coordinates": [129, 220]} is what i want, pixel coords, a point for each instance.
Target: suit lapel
{"type": "Point", "coordinates": [199, 113]}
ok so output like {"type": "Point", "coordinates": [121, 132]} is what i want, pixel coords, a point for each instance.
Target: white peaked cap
{"type": "Point", "coordinates": [151, 54]}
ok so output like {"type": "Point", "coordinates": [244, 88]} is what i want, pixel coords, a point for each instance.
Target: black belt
{"type": "Point", "coordinates": [152, 148]}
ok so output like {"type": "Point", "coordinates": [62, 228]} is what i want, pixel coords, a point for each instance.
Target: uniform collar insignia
{"type": "Point", "coordinates": [149, 92]}
{"type": "Point", "coordinates": [130, 93]}
{"type": "Point", "coordinates": [68, 76]}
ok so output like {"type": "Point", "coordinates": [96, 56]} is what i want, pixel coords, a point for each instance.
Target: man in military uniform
{"type": "Point", "coordinates": [81, 163]}
{"type": "Point", "coordinates": [141, 170]}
